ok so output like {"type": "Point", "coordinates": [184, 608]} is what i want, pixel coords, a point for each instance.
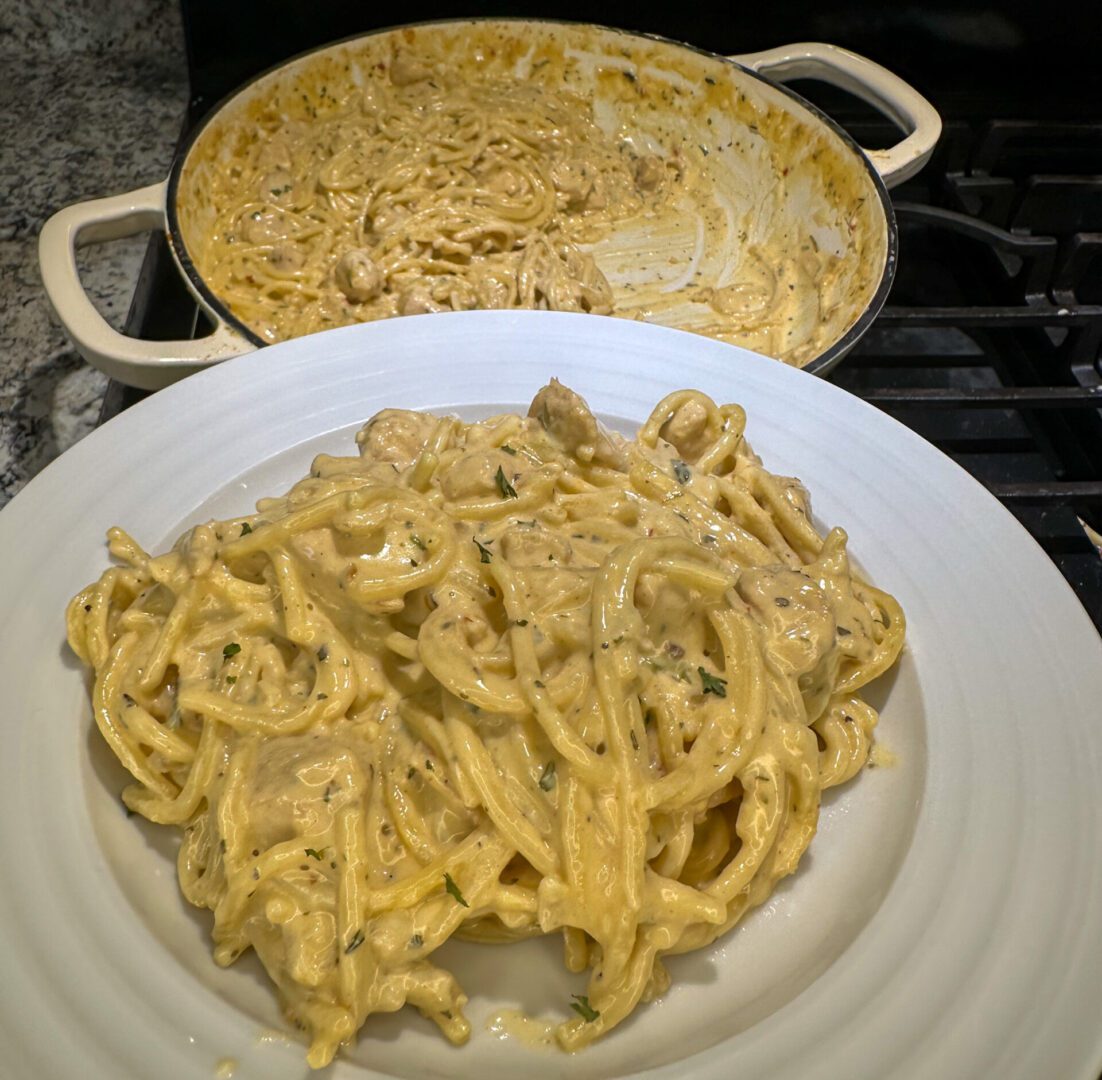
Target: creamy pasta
{"type": "Point", "coordinates": [492, 680]}
{"type": "Point", "coordinates": [421, 193]}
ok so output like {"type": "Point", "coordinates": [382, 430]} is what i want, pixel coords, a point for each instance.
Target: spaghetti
{"type": "Point", "coordinates": [419, 194]}
{"type": "Point", "coordinates": [494, 680]}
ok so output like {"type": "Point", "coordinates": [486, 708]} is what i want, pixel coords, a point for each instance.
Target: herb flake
{"type": "Point", "coordinates": [453, 891]}
{"type": "Point", "coordinates": [547, 780]}
{"type": "Point", "coordinates": [507, 490]}
{"type": "Point", "coordinates": [581, 1006]}
{"type": "Point", "coordinates": [712, 683]}
{"type": "Point", "coordinates": [682, 471]}
{"type": "Point", "coordinates": [232, 649]}
{"type": "Point", "coordinates": [246, 528]}
{"type": "Point", "coordinates": [355, 943]}
{"type": "Point", "coordinates": [315, 854]}
{"type": "Point", "coordinates": [484, 553]}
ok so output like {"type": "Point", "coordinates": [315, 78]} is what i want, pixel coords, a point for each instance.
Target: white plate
{"type": "Point", "coordinates": [946, 923]}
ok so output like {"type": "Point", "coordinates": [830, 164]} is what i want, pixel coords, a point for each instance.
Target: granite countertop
{"type": "Point", "coordinates": [91, 104]}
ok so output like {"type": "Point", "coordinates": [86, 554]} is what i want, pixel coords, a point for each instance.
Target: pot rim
{"type": "Point", "coordinates": [819, 365]}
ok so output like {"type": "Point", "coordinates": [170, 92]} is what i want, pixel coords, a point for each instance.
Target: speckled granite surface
{"type": "Point", "coordinates": [92, 97]}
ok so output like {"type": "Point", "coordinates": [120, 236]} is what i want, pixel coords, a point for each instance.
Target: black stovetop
{"type": "Point", "coordinates": [990, 343]}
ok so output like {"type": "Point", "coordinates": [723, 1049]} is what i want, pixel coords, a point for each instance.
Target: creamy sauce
{"type": "Point", "coordinates": [529, 1031]}
{"type": "Point", "coordinates": [882, 757]}
{"type": "Point", "coordinates": [226, 1068]}
{"type": "Point", "coordinates": [444, 170]}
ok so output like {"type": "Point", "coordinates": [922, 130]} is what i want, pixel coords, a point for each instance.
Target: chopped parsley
{"type": "Point", "coordinates": [634, 740]}
{"type": "Point", "coordinates": [323, 653]}
{"type": "Point", "coordinates": [508, 449]}
{"type": "Point", "coordinates": [315, 854]}
{"type": "Point", "coordinates": [484, 553]}
{"type": "Point", "coordinates": [246, 528]}
{"type": "Point", "coordinates": [232, 649]}
{"type": "Point", "coordinates": [682, 471]}
{"type": "Point", "coordinates": [547, 780]}
{"type": "Point", "coordinates": [712, 683]}
{"type": "Point", "coordinates": [355, 943]}
{"type": "Point", "coordinates": [581, 1006]}
{"type": "Point", "coordinates": [507, 490]}
{"type": "Point", "coordinates": [231, 679]}
{"type": "Point", "coordinates": [418, 542]}
{"type": "Point", "coordinates": [416, 941]}
{"type": "Point", "coordinates": [453, 890]}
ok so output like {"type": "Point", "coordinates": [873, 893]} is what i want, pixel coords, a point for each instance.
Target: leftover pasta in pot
{"type": "Point", "coordinates": [493, 680]}
{"type": "Point", "coordinates": [423, 196]}
{"type": "Point", "coordinates": [498, 165]}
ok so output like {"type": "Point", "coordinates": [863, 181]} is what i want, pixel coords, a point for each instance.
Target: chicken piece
{"type": "Point", "coordinates": [691, 430]}
{"type": "Point", "coordinates": [387, 219]}
{"type": "Point", "coordinates": [507, 181]}
{"type": "Point", "coordinates": [528, 545]}
{"type": "Point", "coordinates": [798, 619]}
{"type": "Point", "coordinates": [395, 436]}
{"type": "Point", "coordinates": [574, 181]}
{"type": "Point", "coordinates": [297, 784]}
{"type": "Point", "coordinates": [277, 186]}
{"type": "Point", "coordinates": [418, 300]}
{"type": "Point", "coordinates": [562, 279]}
{"type": "Point", "coordinates": [275, 154]}
{"type": "Point", "coordinates": [358, 277]}
{"type": "Point", "coordinates": [266, 227]}
{"type": "Point", "coordinates": [565, 416]}
{"type": "Point", "coordinates": [404, 70]}
{"type": "Point", "coordinates": [474, 475]}
{"type": "Point", "coordinates": [285, 260]}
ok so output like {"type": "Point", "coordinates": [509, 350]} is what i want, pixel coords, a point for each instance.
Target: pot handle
{"type": "Point", "coordinates": [887, 92]}
{"type": "Point", "coordinates": [145, 364]}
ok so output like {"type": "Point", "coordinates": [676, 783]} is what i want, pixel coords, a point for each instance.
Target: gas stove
{"type": "Point", "coordinates": [989, 344]}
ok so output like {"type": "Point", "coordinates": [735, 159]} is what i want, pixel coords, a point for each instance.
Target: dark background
{"type": "Point", "coordinates": [972, 59]}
